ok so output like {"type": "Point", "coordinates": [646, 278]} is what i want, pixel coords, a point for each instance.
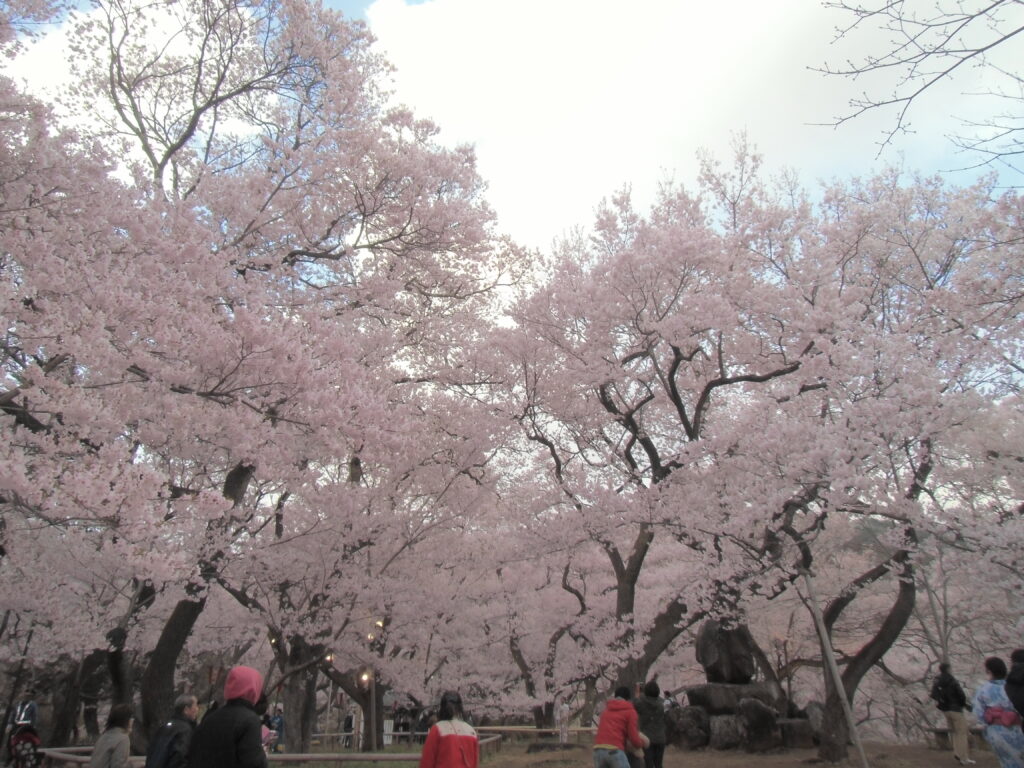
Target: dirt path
{"type": "Point", "coordinates": [879, 756]}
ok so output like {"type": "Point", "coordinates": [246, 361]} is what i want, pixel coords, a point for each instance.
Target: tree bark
{"type": "Point", "coordinates": [158, 677]}
{"type": "Point", "coordinates": [68, 698]}
{"type": "Point", "coordinates": [544, 715]}
{"type": "Point", "coordinates": [835, 735]}
{"type": "Point", "coordinates": [300, 664]}
{"type": "Point", "coordinates": [359, 692]}
{"type": "Point", "coordinates": [299, 696]}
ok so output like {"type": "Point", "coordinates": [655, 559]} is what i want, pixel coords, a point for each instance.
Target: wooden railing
{"type": "Point", "coordinates": [528, 731]}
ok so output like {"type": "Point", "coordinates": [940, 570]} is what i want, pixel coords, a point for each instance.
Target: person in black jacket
{"type": "Point", "coordinates": [950, 699]}
{"type": "Point", "coordinates": [169, 745]}
{"type": "Point", "coordinates": [651, 712]}
{"type": "Point", "coordinates": [231, 736]}
{"type": "Point", "coordinates": [1015, 682]}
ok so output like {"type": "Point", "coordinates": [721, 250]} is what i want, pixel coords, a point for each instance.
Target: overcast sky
{"type": "Point", "coordinates": [569, 100]}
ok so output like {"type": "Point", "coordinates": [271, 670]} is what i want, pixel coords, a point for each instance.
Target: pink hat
{"type": "Point", "coordinates": [243, 683]}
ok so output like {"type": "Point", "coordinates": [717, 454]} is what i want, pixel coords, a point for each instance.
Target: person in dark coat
{"type": "Point", "coordinates": [950, 699]}
{"type": "Point", "coordinates": [169, 746]}
{"type": "Point", "coordinates": [650, 710]}
{"type": "Point", "coordinates": [231, 736]}
{"type": "Point", "coordinates": [1015, 682]}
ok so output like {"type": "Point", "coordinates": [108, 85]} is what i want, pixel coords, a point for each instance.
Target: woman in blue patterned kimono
{"type": "Point", "coordinates": [997, 716]}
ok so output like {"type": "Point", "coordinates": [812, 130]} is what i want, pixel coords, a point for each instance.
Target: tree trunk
{"type": "Point", "coordinates": [158, 678]}
{"type": "Point", "coordinates": [299, 664]}
{"type": "Point", "coordinates": [544, 715]}
{"type": "Point", "coordinates": [663, 632]}
{"type": "Point", "coordinates": [589, 701]}
{"type": "Point", "coordinates": [299, 696]}
{"type": "Point", "coordinates": [90, 716]}
{"type": "Point", "coordinates": [361, 692]}
{"type": "Point", "coordinates": [66, 703]}
{"type": "Point", "coordinates": [835, 737]}
{"type": "Point", "coordinates": [67, 698]}
{"type": "Point", "coordinates": [376, 722]}
{"type": "Point", "coordinates": [835, 733]}
{"type": "Point", "coordinates": [120, 677]}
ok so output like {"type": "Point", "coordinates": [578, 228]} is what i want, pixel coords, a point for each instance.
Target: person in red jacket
{"type": "Point", "coordinates": [451, 742]}
{"type": "Point", "coordinates": [617, 732]}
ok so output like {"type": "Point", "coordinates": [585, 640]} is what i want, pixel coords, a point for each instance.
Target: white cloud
{"type": "Point", "coordinates": [567, 100]}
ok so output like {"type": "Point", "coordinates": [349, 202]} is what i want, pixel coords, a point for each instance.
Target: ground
{"type": "Point", "coordinates": [879, 756]}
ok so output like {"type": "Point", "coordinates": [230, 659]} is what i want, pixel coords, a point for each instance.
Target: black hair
{"type": "Point", "coordinates": [996, 667]}
{"type": "Point", "coordinates": [183, 702]}
{"type": "Point", "coordinates": [652, 690]}
{"type": "Point", "coordinates": [450, 706]}
{"type": "Point", "coordinates": [944, 667]}
{"type": "Point", "coordinates": [622, 692]}
{"type": "Point", "coordinates": [1017, 656]}
{"type": "Point", "coordinates": [119, 717]}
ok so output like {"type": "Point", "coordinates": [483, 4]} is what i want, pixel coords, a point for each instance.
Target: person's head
{"type": "Point", "coordinates": [622, 692]}
{"type": "Point", "coordinates": [120, 716]}
{"type": "Point", "coordinates": [450, 706]}
{"type": "Point", "coordinates": [1017, 656]}
{"type": "Point", "coordinates": [186, 706]}
{"type": "Point", "coordinates": [652, 689]}
{"type": "Point", "coordinates": [243, 683]}
{"type": "Point", "coordinates": [278, 711]}
{"type": "Point", "coordinates": [995, 667]}
{"type": "Point", "coordinates": [944, 668]}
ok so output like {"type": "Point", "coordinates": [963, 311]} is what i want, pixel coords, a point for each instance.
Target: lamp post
{"type": "Point", "coordinates": [368, 678]}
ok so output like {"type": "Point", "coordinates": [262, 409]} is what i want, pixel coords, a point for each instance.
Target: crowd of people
{"type": "Point", "coordinates": [631, 731]}
{"type": "Point", "coordinates": [997, 704]}
{"type": "Point", "coordinates": [237, 734]}
{"type": "Point", "coordinates": [632, 734]}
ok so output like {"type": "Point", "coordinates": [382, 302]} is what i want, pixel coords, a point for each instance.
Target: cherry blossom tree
{"type": "Point", "coordinates": [722, 377]}
{"type": "Point", "coordinates": [254, 336]}
{"type": "Point", "coordinates": [254, 349]}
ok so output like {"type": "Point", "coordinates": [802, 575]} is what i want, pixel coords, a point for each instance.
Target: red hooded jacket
{"type": "Point", "coordinates": [230, 737]}
{"type": "Point", "coordinates": [618, 724]}
{"type": "Point", "coordinates": [243, 683]}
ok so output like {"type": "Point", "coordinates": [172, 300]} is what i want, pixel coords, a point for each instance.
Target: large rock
{"type": "Point", "coordinates": [687, 727]}
{"type": "Point", "coordinates": [759, 726]}
{"type": "Point", "coordinates": [726, 654]}
{"type": "Point", "coordinates": [726, 732]}
{"type": "Point", "coordinates": [724, 698]}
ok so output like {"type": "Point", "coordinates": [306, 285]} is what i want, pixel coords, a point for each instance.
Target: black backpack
{"type": "Point", "coordinates": [947, 694]}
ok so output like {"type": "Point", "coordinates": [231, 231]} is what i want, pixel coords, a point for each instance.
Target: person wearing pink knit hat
{"type": "Point", "coordinates": [230, 736]}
